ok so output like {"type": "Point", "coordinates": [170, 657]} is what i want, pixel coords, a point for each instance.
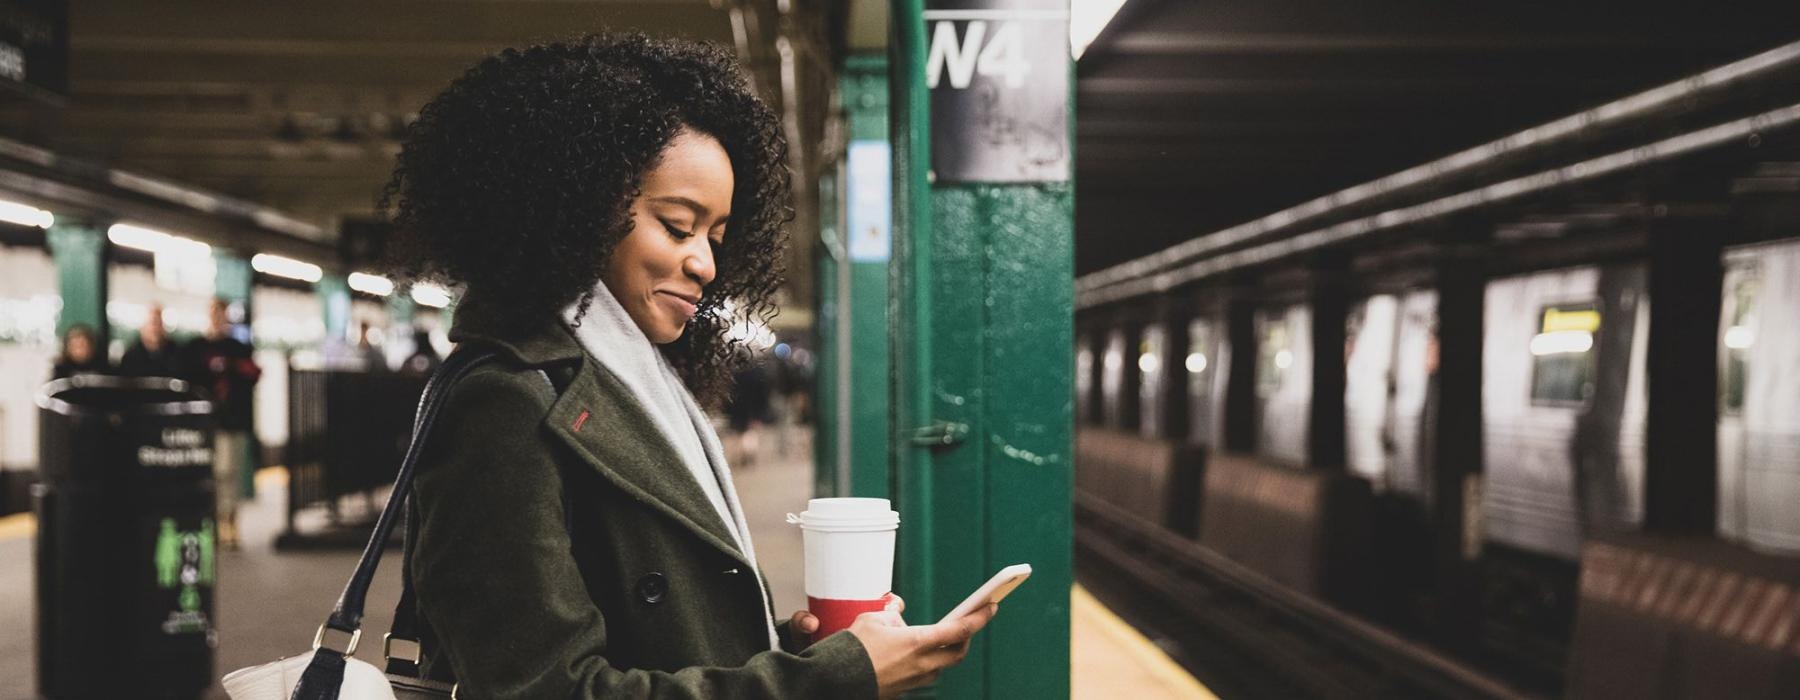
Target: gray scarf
{"type": "Point", "coordinates": [609, 335]}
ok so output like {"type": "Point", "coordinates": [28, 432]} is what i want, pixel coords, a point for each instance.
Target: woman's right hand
{"type": "Point", "coordinates": [910, 656]}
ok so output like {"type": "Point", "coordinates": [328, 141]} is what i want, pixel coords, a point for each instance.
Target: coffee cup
{"type": "Point", "coordinates": [849, 544]}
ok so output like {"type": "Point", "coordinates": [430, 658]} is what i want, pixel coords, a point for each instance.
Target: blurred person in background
{"type": "Point", "coordinates": [747, 412]}
{"type": "Point", "coordinates": [424, 359]}
{"type": "Point", "coordinates": [80, 354]}
{"type": "Point", "coordinates": [222, 365]}
{"type": "Point", "coordinates": [367, 351]}
{"type": "Point", "coordinates": [151, 355]}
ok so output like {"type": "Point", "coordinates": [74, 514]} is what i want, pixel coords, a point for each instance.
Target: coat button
{"type": "Point", "coordinates": [652, 587]}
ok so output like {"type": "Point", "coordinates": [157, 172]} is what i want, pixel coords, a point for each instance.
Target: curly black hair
{"type": "Point", "coordinates": [516, 182]}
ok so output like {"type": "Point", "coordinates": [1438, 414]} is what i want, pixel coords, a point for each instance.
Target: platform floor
{"type": "Point", "coordinates": [269, 603]}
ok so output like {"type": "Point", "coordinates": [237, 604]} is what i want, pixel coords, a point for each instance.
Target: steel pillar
{"type": "Point", "coordinates": [983, 353]}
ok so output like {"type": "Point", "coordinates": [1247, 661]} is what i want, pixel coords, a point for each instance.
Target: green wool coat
{"type": "Point", "coordinates": [651, 601]}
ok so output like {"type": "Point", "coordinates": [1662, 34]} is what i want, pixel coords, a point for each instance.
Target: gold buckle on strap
{"type": "Point", "coordinates": [387, 648]}
{"type": "Point", "coordinates": [319, 640]}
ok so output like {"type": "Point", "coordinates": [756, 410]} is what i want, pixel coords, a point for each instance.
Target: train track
{"type": "Point", "coordinates": [1246, 637]}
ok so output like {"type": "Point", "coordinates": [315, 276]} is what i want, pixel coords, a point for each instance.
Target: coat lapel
{"type": "Point", "coordinates": [619, 440]}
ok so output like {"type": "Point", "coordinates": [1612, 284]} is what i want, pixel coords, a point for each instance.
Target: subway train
{"type": "Point", "coordinates": [1567, 452]}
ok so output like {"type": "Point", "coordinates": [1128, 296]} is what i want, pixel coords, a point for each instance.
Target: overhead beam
{"type": "Point", "coordinates": [1217, 42]}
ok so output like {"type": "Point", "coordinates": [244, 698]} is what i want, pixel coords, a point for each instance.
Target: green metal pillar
{"type": "Point", "coordinates": [984, 316]}
{"type": "Point", "coordinates": [828, 395]}
{"type": "Point", "coordinates": [868, 200]}
{"type": "Point", "coordinates": [80, 252]}
{"type": "Point", "coordinates": [334, 293]}
{"type": "Point", "coordinates": [232, 279]}
{"type": "Point", "coordinates": [400, 309]}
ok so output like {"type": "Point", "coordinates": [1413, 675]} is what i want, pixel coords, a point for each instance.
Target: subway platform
{"type": "Point", "coordinates": [269, 603]}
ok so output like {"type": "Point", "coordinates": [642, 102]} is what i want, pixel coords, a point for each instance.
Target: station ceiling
{"type": "Point", "coordinates": [294, 106]}
{"type": "Point", "coordinates": [1191, 116]}
{"type": "Point", "coordinates": [1195, 116]}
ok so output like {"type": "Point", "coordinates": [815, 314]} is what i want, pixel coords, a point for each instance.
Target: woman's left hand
{"type": "Point", "coordinates": [803, 624]}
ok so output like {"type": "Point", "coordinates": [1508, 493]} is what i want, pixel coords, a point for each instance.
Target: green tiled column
{"type": "Point", "coordinates": [868, 206]}
{"type": "Point", "coordinates": [80, 252]}
{"type": "Point", "coordinates": [334, 293]}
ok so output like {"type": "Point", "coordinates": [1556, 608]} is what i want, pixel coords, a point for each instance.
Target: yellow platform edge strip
{"type": "Point", "coordinates": [1172, 675]}
{"type": "Point", "coordinates": [18, 525]}
{"type": "Point", "coordinates": [25, 524]}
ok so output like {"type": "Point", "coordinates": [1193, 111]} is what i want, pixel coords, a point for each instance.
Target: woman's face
{"type": "Point", "coordinates": [661, 268]}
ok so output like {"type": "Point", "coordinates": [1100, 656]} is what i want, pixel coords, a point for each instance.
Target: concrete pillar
{"type": "Point", "coordinates": [1453, 414]}
{"type": "Point", "coordinates": [1240, 378]}
{"type": "Point", "coordinates": [1330, 302]}
{"type": "Point", "coordinates": [1681, 469]}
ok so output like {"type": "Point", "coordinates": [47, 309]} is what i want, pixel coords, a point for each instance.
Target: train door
{"type": "Point", "coordinates": [1283, 382]}
{"type": "Point", "coordinates": [1205, 395]}
{"type": "Point", "coordinates": [1389, 379]}
{"type": "Point", "coordinates": [1759, 411]}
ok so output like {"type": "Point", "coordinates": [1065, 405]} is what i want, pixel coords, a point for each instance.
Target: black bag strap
{"type": "Point", "coordinates": [325, 674]}
{"type": "Point", "coordinates": [406, 627]}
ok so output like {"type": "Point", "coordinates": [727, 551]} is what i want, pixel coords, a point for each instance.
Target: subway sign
{"type": "Point", "coordinates": [34, 47]}
{"type": "Point", "coordinates": [998, 73]}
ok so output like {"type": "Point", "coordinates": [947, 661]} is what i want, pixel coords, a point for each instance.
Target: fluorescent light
{"type": "Point", "coordinates": [25, 215]}
{"type": "Point", "coordinates": [1739, 337]}
{"type": "Point", "coordinates": [1086, 19]}
{"type": "Point", "coordinates": [286, 267]}
{"type": "Point", "coordinates": [1196, 363]}
{"type": "Point", "coordinates": [156, 241]}
{"type": "Point", "coordinates": [1148, 363]}
{"type": "Point", "coordinates": [1561, 343]}
{"type": "Point", "coordinates": [431, 295]}
{"type": "Point", "coordinates": [1284, 359]}
{"type": "Point", "coordinates": [371, 284]}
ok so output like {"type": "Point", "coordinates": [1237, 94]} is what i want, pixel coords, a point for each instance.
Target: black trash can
{"type": "Point", "coordinates": [126, 539]}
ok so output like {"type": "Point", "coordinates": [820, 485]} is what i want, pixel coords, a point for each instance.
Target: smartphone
{"type": "Point", "coordinates": [993, 591]}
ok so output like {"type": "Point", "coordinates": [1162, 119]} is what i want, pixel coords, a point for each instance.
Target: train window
{"type": "Point", "coordinates": [1151, 349]}
{"type": "Point", "coordinates": [1562, 354]}
{"type": "Point", "coordinates": [1112, 380]}
{"type": "Point", "coordinates": [1739, 337]}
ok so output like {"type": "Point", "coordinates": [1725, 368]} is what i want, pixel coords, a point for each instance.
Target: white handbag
{"type": "Point", "coordinates": [276, 680]}
{"type": "Point", "coordinates": [326, 673]}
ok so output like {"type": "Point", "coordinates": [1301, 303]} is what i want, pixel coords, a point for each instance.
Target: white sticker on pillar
{"type": "Point", "coordinates": [870, 189]}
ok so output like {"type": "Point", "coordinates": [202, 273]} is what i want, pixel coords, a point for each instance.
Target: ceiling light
{"type": "Point", "coordinates": [25, 215]}
{"type": "Point", "coordinates": [431, 295]}
{"type": "Point", "coordinates": [286, 267]}
{"type": "Point", "coordinates": [1086, 19]}
{"type": "Point", "coordinates": [371, 284]}
{"type": "Point", "coordinates": [131, 236]}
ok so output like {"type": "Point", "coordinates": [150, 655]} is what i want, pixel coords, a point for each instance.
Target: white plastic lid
{"type": "Point", "coordinates": [847, 515]}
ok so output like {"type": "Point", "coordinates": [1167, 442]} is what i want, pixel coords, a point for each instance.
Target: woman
{"type": "Point", "coordinates": [576, 533]}
{"type": "Point", "coordinates": [80, 354]}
